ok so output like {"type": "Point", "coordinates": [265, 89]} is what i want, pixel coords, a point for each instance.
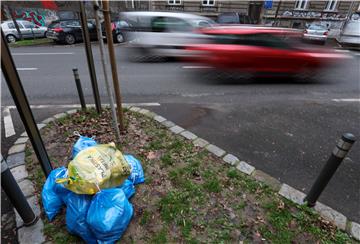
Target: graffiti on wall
{"type": "Point", "coordinates": [40, 17]}
{"type": "Point", "coordinates": [313, 14]}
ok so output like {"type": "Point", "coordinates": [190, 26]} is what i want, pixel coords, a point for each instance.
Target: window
{"type": "Point", "coordinates": [331, 5]}
{"type": "Point", "coordinates": [28, 25]}
{"type": "Point", "coordinates": [301, 4]}
{"type": "Point", "coordinates": [11, 25]}
{"type": "Point", "coordinates": [174, 2]}
{"type": "Point", "coordinates": [208, 2]}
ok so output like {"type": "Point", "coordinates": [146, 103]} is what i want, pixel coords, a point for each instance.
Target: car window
{"type": "Point", "coordinates": [28, 25]}
{"type": "Point", "coordinates": [158, 24]}
{"type": "Point", "coordinates": [177, 25]}
{"type": "Point", "coordinates": [228, 18]}
{"type": "Point", "coordinates": [317, 27]}
{"type": "Point", "coordinates": [11, 25]}
{"type": "Point", "coordinates": [70, 23]}
{"type": "Point", "coordinates": [261, 39]}
{"type": "Point", "coordinates": [123, 23]}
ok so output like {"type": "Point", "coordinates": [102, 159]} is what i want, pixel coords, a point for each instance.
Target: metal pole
{"type": "Point", "coordinates": [15, 22]}
{"type": "Point", "coordinates": [79, 89]}
{"type": "Point", "coordinates": [110, 43]}
{"type": "Point", "coordinates": [103, 62]}
{"type": "Point", "coordinates": [338, 154]}
{"type": "Point", "coordinates": [347, 17]}
{"type": "Point", "coordinates": [17, 92]}
{"type": "Point", "coordinates": [90, 59]}
{"type": "Point", "coordinates": [276, 13]}
{"type": "Point", "coordinates": [14, 193]}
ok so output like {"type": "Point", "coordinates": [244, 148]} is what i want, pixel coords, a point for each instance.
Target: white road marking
{"type": "Point", "coordinates": [26, 69]}
{"type": "Point", "coordinates": [8, 124]}
{"type": "Point", "coordinates": [196, 67]}
{"type": "Point", "coordinates": [346, 100]}
{"type": "Point", "coordinates": [20, 54]}
{"type": "Point", "coordinates": [152, 104]}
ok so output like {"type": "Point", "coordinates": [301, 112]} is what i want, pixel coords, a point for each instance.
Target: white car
{"type": "Point", "coordinates": [316, 32]}
{"type": "Point", "coordinates": [27, 29]}
{"type": "Point", "coordinates": [163, 34]}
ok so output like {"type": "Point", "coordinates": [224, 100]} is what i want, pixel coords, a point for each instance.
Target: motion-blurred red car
{"type": "Point", "coordinates": [259, 50]}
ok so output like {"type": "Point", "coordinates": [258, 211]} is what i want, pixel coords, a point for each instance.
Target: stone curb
{"type": "Point", "coordinates": [35, 233]}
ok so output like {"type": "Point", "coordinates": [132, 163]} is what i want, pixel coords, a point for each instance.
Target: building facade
{"type": "Point", "coordinates": [284, 13]}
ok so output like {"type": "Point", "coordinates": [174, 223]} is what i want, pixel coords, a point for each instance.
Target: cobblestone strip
{"type": "Point", "coordinates": [34, 233]}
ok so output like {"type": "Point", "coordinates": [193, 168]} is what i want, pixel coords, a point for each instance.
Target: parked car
{"type": "Point", "coordinates": [350, 35]}
{"type": "Point", "coordinates": [233, 18]}
{"type": "Point", "coordinates": [27, 29]}
{"type": "Point", "coordinates": [69, 31]}
{"type": "Point", "coordinates": [119, 29]}
{"type": "Point", "coordinates": [316, 32]}
{"type": "Point", "coordinates": [260, 51]}
{"type": "Point", "coordinates": [163, 34]}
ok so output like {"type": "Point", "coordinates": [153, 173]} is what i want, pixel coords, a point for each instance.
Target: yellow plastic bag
{"type": "Point", "coordinates": [94, 168]}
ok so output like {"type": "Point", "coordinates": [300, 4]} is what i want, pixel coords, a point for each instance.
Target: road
{"type": "Point", "coordinates": [285, 128]}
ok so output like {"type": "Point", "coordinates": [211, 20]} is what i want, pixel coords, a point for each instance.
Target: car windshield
{"type": "Point", "coordinates": [317, 27]}
{"type": "Point", "coordinates": [54, 25]}
{"type": "Point", "coordinates": [202, 22]}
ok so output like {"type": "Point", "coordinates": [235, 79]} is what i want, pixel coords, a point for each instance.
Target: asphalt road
{"type": "Point", "coordinates": [283, 127]}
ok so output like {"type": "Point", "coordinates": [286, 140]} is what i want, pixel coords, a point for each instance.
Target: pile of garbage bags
{"type": "Point", "coordinates": [95, 188]}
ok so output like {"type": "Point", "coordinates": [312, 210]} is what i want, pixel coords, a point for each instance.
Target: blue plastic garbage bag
{"type": "Point", "coordinates": [76, 212]}
{"type": "Point", "coordinates": [82, 143]}
{"type": "Point", "coordinates": [137, 173]}
{"type": "Point", "coordinates": [52, 193]}
{"type": "Point", "coordinates": [109, 215]}
{"type": "Point", "coordinates": [128, 187]}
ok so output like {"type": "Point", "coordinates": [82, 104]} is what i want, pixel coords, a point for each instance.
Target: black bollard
{"type": "Point", "coordinates": [79, 89]}
{"type": "Point", "coordinates": [338, 154]}
{"type": "Point", "coordinates": [17, 198]}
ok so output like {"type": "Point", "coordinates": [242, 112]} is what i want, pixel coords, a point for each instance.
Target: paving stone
{"type": "Point", "coordinates": [35, 207]}
{"type": "Point", "coordinates": [176, 129]}
{"type": "Point", "coordinates": [231, 159]}
{"type": "Point", "coordinates": [354, 230]}
{"type": "Point", "coordinates": [27, 187]}
{"type": "Point", "coordinates": [24, 134]}
{"type": "Point", "coordinates": [150, 114]}
{"type": "Point", "coordinates": [159, 118]}
{"type": "Point", "coordinates": [21, 140]}
{"type": "Point", "coordinates": [188, 135]}
{"type": "Point", "coordinates": [168, 123]}
{"type": "Point", "coordinates": [332, 215]}
{"type": "Point", "coordinates": [292, 194]}
{"type": "Point", "coordinates": [48, 120]}
{"type": "Point", "coordinates": [143, 111]}
{"type": "Point", "coordinates": [32, 234]}
{"type": "Point", "coordinates": [17, 148]}
{"type": "Point", "coordinates": [199, 142]}
{"type": "Point", "coordinates": [245, 167]}
{"type": "Point", "coordinates": [72, 111]}
{"type": "Point", "coordinates": [19, 173]}
{"type": "Point", "coordinates": [135, 109]}
{"type": "Point", "coordinates": [60, 115]}
{"type": "Point", "coordinates": [215, 150]}
{"type": "Point", "coordinates": [16, 159]}
{"type": "Point", "coordinates": [267, 179]}
{"type": "Point", "coordinates": [40, 126]}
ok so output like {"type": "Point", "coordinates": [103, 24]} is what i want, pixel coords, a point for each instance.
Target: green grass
{"type": "Point", "coordinates": [31, 42]}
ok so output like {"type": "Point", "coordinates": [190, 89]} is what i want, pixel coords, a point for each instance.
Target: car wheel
{"type": "Point", "coordinates": [119, 38]}
{"type": "Point", "coordinates": [70, 39]}
{"type": "Point", "coordinates": [11, 38]}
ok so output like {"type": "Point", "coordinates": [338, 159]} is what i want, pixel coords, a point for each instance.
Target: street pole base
{"type": "Point", "coordinates": [32, 222]}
